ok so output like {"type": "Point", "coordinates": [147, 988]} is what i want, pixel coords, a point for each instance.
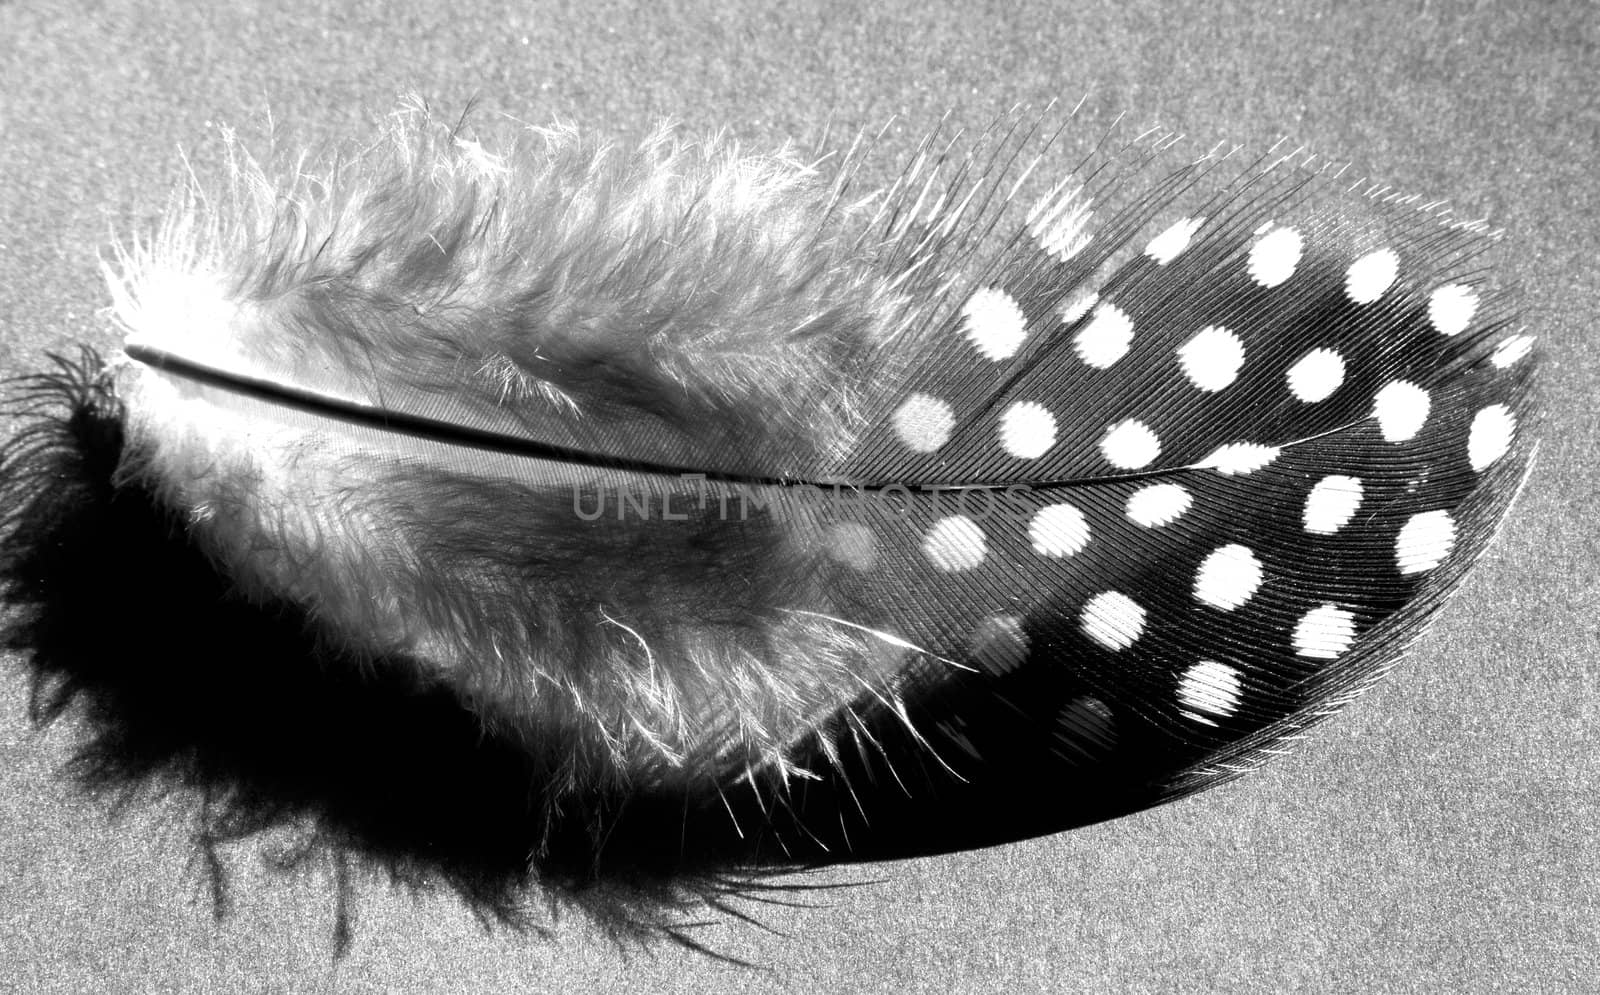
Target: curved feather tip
{"type": "Point", "coordinates": [699, 473]}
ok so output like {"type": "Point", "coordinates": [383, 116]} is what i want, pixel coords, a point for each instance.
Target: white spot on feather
{"type": "Point", "coordinates": [1508, 352]}
{"type": "Point", "coordinates": [1113, 620]}
{"type": "Point", "coordinates": [1274, 257]}
{"type": "Point", "coordinates": [1058, 530]}
{"type": "Point", "coordinates": [1061, 228]}
{"type": "Point", "coordinates": [1078, 305]}
{"type": "Point", "coordinates": [1129, 445]}
{"type": "Point", "coordinates": [1211, 358]}
{"type": "Point", "coordinates": [1316, 376]}
{"type": "Point", "coordinates": [1209, 687]}
{"type": "Point", "coordinates": [1237, 458]}
{"type": "Point", "coordinates": [1027, 430]}
{"type": "Point", "coordinates": [1371, 275]}
{"type": "Point", "coordinates": [1157, 504]}
{"type": "Point", "coordinates": [1490, 437]}
{"type": "Point", "coordinates": [1424, 541]}
{"type": "Point", "coordinates": [1332, 503]}
{"type": "Point", "coordinates": [998, 644]}
{"type": "Point", "coordinates": [1324, 632]}
{"type": "Point", "coordinates": [1165, 247]}
{"type": "Point", "coordinates": [924, 423]}
{"type": "Point", "coordinates": [1106, 338]}
{"type": "Point", "coordinates": [993, 322]}
{"type": "Point", "coordinates": [853, 544]}
{"type": "Point", "coordinates": [1401, 408]}
{"type": "Point", "coordinates": [954, 544]}
{"type": "Point", "coordinates": [1228, 577]}
{"type": "Point", "coordinates": [1451, 307]}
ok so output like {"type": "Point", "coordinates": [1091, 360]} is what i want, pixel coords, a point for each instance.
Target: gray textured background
{"type": "Point", "coordinates": [1439, 836]}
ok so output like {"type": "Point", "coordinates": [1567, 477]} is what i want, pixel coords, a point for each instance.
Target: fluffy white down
{"type": "Point", "coordinates": [570, 295]}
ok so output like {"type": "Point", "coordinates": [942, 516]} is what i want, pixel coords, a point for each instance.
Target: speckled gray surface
{"type": "Point", "coordinates": [1438, 837]}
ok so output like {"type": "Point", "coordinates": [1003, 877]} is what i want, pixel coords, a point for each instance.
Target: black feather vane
{"type": "Point", "coordinates": [698, 473]}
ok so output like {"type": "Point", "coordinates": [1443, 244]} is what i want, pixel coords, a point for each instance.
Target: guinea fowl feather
{"type": "Point", "coordinates": [693, 470]}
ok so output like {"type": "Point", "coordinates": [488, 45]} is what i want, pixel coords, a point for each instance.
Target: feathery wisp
{"type": "Point", "coordinates": [699, 476]}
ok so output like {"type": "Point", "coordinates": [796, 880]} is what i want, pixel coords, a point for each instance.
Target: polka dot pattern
{"type": "Point", "coordinates": [1155, 505]}
{"type": "Point", "coordinates": [1211, 358]}
{"type": "Point", "coordinates": [1371, 275]}
{"type": "Point", "coordinates": [993, 322]}
{"type": "Point", "coordinates": [1130, 445]}
{"type": "Point", "coordinates": [999, 644]}
{"type": "Point", "coordinates": [1237, 458]}
{"type": "Point", "coordinates": [1509, 352]}
{"type": "Point", "coordinates": [1332, 503]}
{"type": "Point", "coordinates": [1058, 530]}
{"type": "Point", "coordinates": [954, 544]}
{"type": "Point", "coordinates": [1106, 338]}
{"type": "Point", "coordinates": [1167, 246]}
{"type": "Point", "coordinates": [1424, 541]}
{"type": "Point", "coordinates": [1209, 688]}
{"type": "Point", "coordinates": [1274, 257]}
{"type": "Point", "coordinates": [1113, 620]}
{"type": "Point", "coordinates": [1451, 307]}
{"type": "Point", "coordinates": [1231, 470]}
{"type": "Point", "coordinates": [1324, 632]}
{"type": "Point", "coordinates": [1228, 577]}
{"type": "Point", "coordinates": [1078, 305]}
{"type": "Point", "coordinates": [1027, 430]}
{"type": "Point", "coordinates": [924, 423]}
{"type": "Point", "coordinates": [1316, 376]}
{"type": "Point", "coordinates": [854, 545]}
{"type": "Point", "coordinates": [1062, 230]}
{"type": "Point", "coordinates": [1401, 408]}
{"type": "Point", "coordinates": [1493, 430]}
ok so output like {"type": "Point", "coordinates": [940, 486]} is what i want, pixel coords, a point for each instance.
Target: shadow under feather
{"type": "Point", "coordinates": [182, 687]}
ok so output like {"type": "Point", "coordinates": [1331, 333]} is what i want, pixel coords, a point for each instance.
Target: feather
{"type": "Point", "coordinates": [694, 472]}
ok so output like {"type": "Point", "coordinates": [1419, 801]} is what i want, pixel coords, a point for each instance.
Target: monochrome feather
{"type": "Point", "coordinates": [696, 471]}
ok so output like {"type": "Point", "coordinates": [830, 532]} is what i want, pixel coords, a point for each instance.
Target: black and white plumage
{"type": "Point", "coordinates": [703, 475]}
